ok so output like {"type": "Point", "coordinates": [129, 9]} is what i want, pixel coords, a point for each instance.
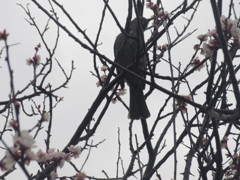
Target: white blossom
{"type": "Point", "coordinates": [29, 155]}
{"type": "Point", "coordinates": [46, 117]}
{"type": "Point", "coordinates": [24, 140]}
{"type": "Point", "coordinates": [41, 156]}
{"type": "Point", "coordinates": [79, 176]}
{"type": "Point", "coordinates": [235, 31]}
{"type": "Point", "coordinates": [104, 68]}
{"type": "Point", "coordinates": [75, 150]}
{"type": "Point", "coordinates": [202, 37]}
{"type": "Point", "coordinates": [121, 92]}
{"type": "Point", "coordinates": [9, 160]}
{"type": "Point", "coordinates": [206, 50]}
{"type": "Point", "coordinates": [212, 32]}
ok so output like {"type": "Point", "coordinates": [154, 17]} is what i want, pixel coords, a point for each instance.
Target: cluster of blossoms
{"type": "Point", "coordinates": [163, 47]}
{"type": "Point", "coordinates": [51, 155]}
{"type": "Point", "coordinates": [182, 104]}
{"type": "Point", "coordinates": [35, 60]}
{"type": "Point", "coordinates": [211, 39]}
{"type": "Point", "coordinates": [22, 152]}
{"type": "Point", "coordinates": [3, 35]}
{"type": "Point", "coordinates": [210, 44]}
{"type": "Point", "coordinates": [120, 92]}
{"type": "Point", "coordinates": [233, 167]}
{"type": "Point", "coordinates": [231, 28]}
{"type": "Point", "coordinates": [233, 163]}
{"type": "Point", "coordinates": [103, 77]}
{"type": "Point", "coordinates": [158, 12]}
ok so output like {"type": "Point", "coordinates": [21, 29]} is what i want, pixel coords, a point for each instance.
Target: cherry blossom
{"type": "Point", "coordinates": [24, 140]}
{"type": "Point", "coordinates": [75, 150]}
{"type": "Point", "coordinates": [121, 92]}
{"type": "Point", "coordinates": [79, 176]}
{"type": "Point", "coordinates": [45, 117]}
{"type": "Point", "coordinates": [104, 68]}
{"type": "Point", "coordinates": [3, 35]}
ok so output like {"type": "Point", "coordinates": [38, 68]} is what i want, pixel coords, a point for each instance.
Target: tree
{"type": "Point", "coordinates": [194, 121]}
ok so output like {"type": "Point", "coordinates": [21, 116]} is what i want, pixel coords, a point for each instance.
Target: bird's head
{"type": "Point", "coordinates": [143, 22]}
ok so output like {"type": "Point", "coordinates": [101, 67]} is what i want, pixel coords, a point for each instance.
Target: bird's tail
{"type": "Point", "coordinates": [138, 107]}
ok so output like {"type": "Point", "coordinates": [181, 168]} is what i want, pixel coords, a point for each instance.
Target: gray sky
{"type": "Point", "coordinates": [82, 88]}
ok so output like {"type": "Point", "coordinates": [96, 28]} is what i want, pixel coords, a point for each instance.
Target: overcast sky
{"type": "Point", "coordinates": [82, 88]}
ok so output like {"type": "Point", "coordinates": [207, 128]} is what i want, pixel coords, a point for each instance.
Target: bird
{"type": "Point", "coordinates": [128, 52]}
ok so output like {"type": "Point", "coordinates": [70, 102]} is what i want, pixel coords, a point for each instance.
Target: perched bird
{"type": "Point", "coordinates": [128, 52]}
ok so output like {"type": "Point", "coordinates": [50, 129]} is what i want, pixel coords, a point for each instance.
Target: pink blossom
{"type": "Point", "coordinates": [51, 156]}
{"type": "Point", "coordinates": [29, 61]}
{"type": "Point", "coordinates": [103, 79]}
{"type": "Point", "coordinates": [196, 47]}
{"type": "Point", "coordinates": [149, 4]}
{"type": "Point", "coordinates": [29, 156]}
{"type": "Point", "coordinates": [114, 100]}
{"type": "Point", "coordinates": [212, 33]}
{"type": "Point", "coordinates": [213, 44]}
{"type": "Point", "coordinates": [163, 14]}
{"type": "Point", "coordinates": [75, 150]}
{"type": "Point", "coordinates": [41, 156]}
{"type": "Point", "coordinates": [228, 155]}
{"type": "Point", "coordinates": [163, 48]}
{"type": "Point", "coordinates": [203, 37]}
{"type": "Point", "coordinates": [36, 60]}
{"type": "Point", "coordinates": [9, 160]}
{"type": "Point", "coordinates": [182, 104]}
{"type": "Point", "coordinates": [67, 157]}
{"type": "Point", "coordinates": [3, 35]}
{"type": "Point", "coordinates": [235, 157]}
{"type": "Point", "coordinates": [37, 47]}
{"type": "Point", "coordinates": [79, 176]}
